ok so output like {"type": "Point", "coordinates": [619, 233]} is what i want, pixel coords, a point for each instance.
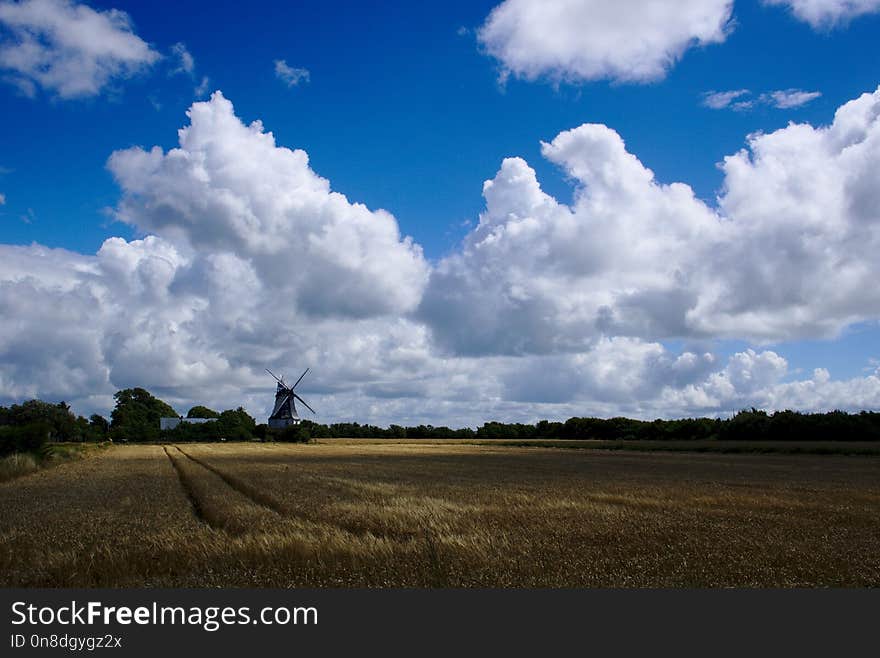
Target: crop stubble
{"type": "Point", "coordinates": [367, 514]}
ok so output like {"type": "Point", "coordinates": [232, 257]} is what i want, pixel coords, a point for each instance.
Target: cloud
{"type": "Point", "coordinates": [229, 188]}
{"type": "Point", "coordinates": [200, 327]}
{"type": "Point", "coordinates": [719, 100]}
{"type": "Point", "coordinates": [2, 199]}
{"type": "Point", "coordinates": [189, 326]}
{"type": "Point", "coordinates": [549, 309]}
{"type": "Point", "coordinates": [185, 61]}
{"type": "Point", "coordinates": [539, 276]}
{"type": "Point", "coordinates": [291, 76]}
{"type": "Point", "coordinates": [52, 348]}
{"type": "Point", "coordinates": [822, 14]}
{"type": "Point", "coordinates": [202, 87]}
{"type": "Point", "coordinates": [790, 98]}
{"type": "Point", "coordinates": [802, 202]}
{"type": "Point", "coordinates": [186, 64]}
{"type": "Point", "coordinates": [782, 99]}
{"type": "Point", "coordinates": [69, 49]}
{"type": "Point", "coordinates": [582, 40]}
{"type": "Point", "coordinates": [615, 371]}
{"type": "Point", "coordinates": [789, 252]}
{"type": "Point", "coordinates": [757, 379]}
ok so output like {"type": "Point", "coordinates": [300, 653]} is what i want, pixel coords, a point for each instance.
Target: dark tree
{"type": "Point", "coordinates": [98, 429]}
{"type": "Point", "coordinates": [136, 415]}
{"type": "Point", "coordinates": [236, 425]}
{"type": "Point", "coordinates": [199, 411]}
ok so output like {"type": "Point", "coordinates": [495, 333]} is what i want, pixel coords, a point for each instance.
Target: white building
{"type": "Point", "coordinates": [171, 423]}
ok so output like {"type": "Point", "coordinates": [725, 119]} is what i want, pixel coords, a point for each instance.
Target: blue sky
{"type": "Point", "coordinates": [399, 101]}
{"type": "Point", "coordinates": [404, 110]}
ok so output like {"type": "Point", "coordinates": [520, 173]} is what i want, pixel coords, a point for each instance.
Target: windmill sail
{"type": "Point", "coordinates": [282, 404]}
{"type": "Point", "coordinates": [284, 412]}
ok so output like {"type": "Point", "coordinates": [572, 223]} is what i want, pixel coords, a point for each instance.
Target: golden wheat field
{"type": "Point", "coordinates": [359, 513]}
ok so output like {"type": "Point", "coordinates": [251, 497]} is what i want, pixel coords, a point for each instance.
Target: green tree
{"type": "Point", "coordinates": [58, 419]}
{"type": "Point", "coordinates": [292, 434]}
{"type": "Point", "coordinates": [236, 425]}
{"type": "Point", "coordinates": [136, 415]}
{"type": "Point", "coordinates": [99, 428]}
{"type": "Point", "coordinates": [199, 411]}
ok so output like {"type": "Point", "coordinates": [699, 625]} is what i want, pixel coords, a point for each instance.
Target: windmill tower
{"type": "Point", "coordinates": [284, 412]}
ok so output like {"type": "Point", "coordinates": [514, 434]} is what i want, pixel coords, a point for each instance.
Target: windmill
{"type": "Point", "coordinates": [284, 413]}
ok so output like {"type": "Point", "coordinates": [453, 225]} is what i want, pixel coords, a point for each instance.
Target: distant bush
{"type": "Point", "coordinates": [98, 428]}
{"type": "Point", "coordinates": [236, 425]}
{"type": "Point", "coordinates": [291, 434]}
{"type": "Point", "coordinates": [18, 464]}
{"type": "Point", "coordinates": [191, 432]}
{"type": "Point", "coordinates": [30, 438]}
{"type": "Point", "coordinates": [202, 412]}
{"type": "Point", "coordinates": [747, 425]}
{"type": "Point", "coordinates": [358, 431]}
{"type": "Point", "coordinates": [26, 427]}
{"type": "Point", "coordinates": [57, 419]}
{"type": "Point", "coordinates": [136, 415]}
{"type": "Point", "coordinates": [754, 424]}
{"type": "Point", "coordinates": [231, 425]}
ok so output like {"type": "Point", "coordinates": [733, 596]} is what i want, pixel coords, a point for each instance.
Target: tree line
{"type": "Point", "coordinates": [747, 425]}
{"type": "Point", "coordinates": [135, 418]}
{"type": "Point", "coordinates": [27, 427]}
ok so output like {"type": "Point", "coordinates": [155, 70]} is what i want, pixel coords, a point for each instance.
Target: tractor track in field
{"type": "Point", "coordinates": [251, 493]}
{"type": "Point", "coordinates": [269, 502]}
{"type": "Point", "coordinates": [248, 491]}
{"type": "Point", "coordinates": [206, 512]}
{"type": "Point", "coordinates": [204, 509]}
{"type": "Point", "coordinates": [191, 495]}
{"type": "Point", "coordinates": [254, 495]}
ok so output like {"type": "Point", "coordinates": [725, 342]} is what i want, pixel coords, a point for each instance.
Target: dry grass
{"type": "Point", "coordinates": [54, 454]}
{"type": "Point", "coordinates": [16, 465]}
{"type": "Point", "coordinates": [414, 514]}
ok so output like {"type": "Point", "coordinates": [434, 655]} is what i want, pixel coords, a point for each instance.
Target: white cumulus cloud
{"type": "Point", "coordinates": [576, 40]}
{"type": "Point", "coordinates": [828, 13]}
{"type": "Point", "coordinates": [68, 49]}
{"type": "Point", "coordinates": [229, 187]}
{"type": "Point", "coordinates": [549, 308]}
{"type": "Point", "coordinates": [789, 252]}
{"type": "Point", "coordinates": [537, 275]}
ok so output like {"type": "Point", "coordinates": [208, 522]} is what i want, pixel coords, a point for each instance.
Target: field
{"type": "Point", "coordinates": [440, 514]}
